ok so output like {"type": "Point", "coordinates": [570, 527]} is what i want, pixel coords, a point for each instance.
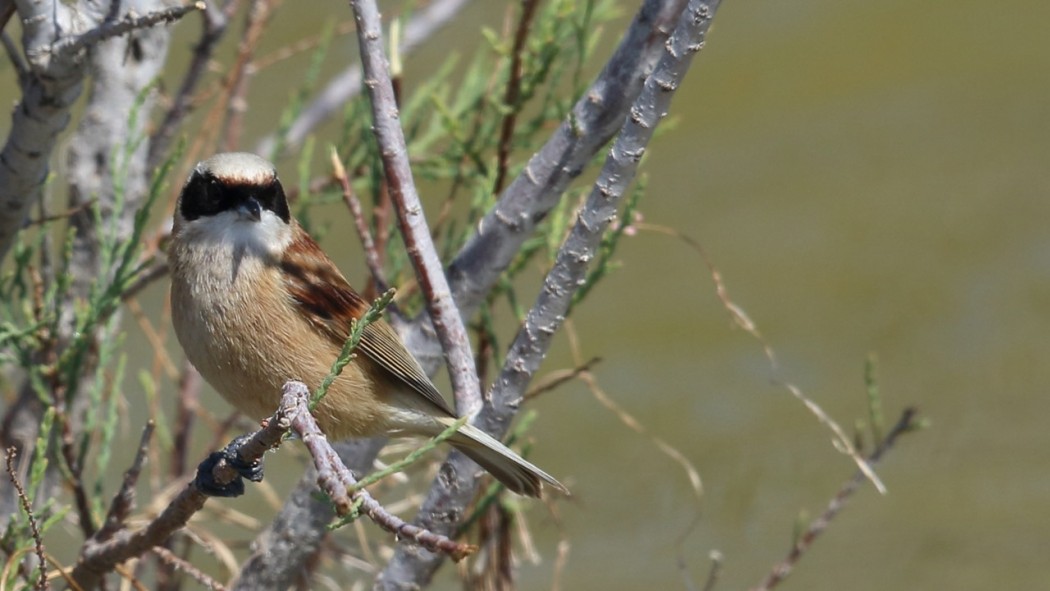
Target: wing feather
{"type": "Point", "coordinates": [328, 302]}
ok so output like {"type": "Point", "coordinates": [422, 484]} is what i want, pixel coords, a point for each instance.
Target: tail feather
{"type": "Point", "coordinates": [516, 473]}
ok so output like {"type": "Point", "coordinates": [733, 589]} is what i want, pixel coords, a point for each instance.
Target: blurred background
{"type": "Point", "coordinates": [870, 179]}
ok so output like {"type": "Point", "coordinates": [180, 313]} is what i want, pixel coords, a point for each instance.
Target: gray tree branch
{"type": "Point", "coordinates": [56, 36]}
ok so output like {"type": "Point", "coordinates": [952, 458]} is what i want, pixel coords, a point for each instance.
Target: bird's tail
{"type": "Point", "coordinates": [512, 470]}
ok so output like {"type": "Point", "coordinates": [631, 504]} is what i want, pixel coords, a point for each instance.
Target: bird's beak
{"type": "Point", "coordinates": [249, 209]}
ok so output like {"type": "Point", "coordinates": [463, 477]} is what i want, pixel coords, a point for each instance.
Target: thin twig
{"type": "Point", "coordinates": [161, 357]}
{"type": "Point", "coordinates": [27, 507]}
{"type": "Point", "coordinates": [629, 421]}
{"type": "Point", "coordinates": [381, 214]}
{"type": "Point", "coordinates": [741, 319]}
{"type": "Point", "coordinates": [178, 563]}
{"type": "Point", "coordinates": [89, 203]}
{"type": "Point", "coordinates": [375, 267]}
{"type": "Point", "coordinates": [124, 500]}
{"type": "Point", "coordinates": [243, 71]}
{"type": "Point", "coordinates": [560, 562]}
{"type": "Point", "coordinates": [75, 480]}
{"type": "Point", "coordinates": [189, 393]}
{"type": "Point", "coordinates": [906, 424]}
{"type": "Point", "coordinates": [555, 379]}
{"type": "Point", "coordinates": [299, 46]}
{"type": "Point", "coordinates": [715, 572]}
{"type": "Point", "coordinates": [513, 93]}
{"type": "Point", "coordinates": [214, 24]}
{"type": "Point", "coordinates": [632, 423]}
{"type": "Point", "coordinates": [129, 22]}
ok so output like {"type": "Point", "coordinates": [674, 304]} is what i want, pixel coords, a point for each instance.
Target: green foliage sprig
{"type": "Point", "coordinates": [346, 355]}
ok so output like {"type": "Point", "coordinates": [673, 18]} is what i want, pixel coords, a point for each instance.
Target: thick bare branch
{"type": "Point", "coordinates": [443, 313]}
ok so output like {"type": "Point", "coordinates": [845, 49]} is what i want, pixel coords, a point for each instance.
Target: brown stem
{"type": "Point", "coordinates": [124, 500]}
{"type": "Point", "coordinates": [375, 267]}
{"type": "Point", "coordinates": [214, 23]}
{"type": "Point", "coordinates": [781, 570]}
{"type": "Point", "coordinates": [513, 94]}
{"type": "Point", "coordinates": [189, 394]}
{"type": "Point", "coordinates": [27, 507]}
{"type": "Point", "coordinates": [258, 17]}
{"type": "Point", "coordinates": [98, 557]}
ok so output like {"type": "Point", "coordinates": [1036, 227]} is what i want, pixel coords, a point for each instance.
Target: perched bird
{"type": "Point", "coordinates": [256, 302]}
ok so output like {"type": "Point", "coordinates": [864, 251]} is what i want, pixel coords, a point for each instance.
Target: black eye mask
{"type": "Point", "coordinates": [205, 196]}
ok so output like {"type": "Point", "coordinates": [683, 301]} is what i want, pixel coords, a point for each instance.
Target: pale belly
{"type": "Point", "coordinates": [247, 350]}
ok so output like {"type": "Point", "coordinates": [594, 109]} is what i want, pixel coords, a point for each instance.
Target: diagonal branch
{"type": "Point", "coordinates": [100, 556]}
{"type": "Point", "coordinates": [513, 92]}
{"type": "Point", "coordinates": [907, 423]}
{"type": "Point", "coordinates": [214, 22]}
{"type": "Point", "coordinates": [413, 224]}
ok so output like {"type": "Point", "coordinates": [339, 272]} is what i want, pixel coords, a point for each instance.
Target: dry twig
{"type": "Point", "coordinates": [375, 266]}
{"type": "Point", "coordinates": [27, 507]}
{"type": "Point", "coordinates": [905, 424]}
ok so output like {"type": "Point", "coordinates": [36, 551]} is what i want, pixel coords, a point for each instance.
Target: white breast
{"type": "Point", "coordinates": [225, 293]}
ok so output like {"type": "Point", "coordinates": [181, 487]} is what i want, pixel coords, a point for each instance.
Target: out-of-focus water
{"type": "Point", "coordinates": [869, 178]}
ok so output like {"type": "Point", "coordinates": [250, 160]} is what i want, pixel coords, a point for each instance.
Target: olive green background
{"type": "Point", "coordinates": [869, 177]}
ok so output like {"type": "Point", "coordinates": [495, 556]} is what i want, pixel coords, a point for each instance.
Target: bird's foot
{"type": "Point", "coordinates": [206, 482]}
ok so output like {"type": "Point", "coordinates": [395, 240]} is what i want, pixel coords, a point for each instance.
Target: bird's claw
{"type": "Point", "coordinates": [206, 482]}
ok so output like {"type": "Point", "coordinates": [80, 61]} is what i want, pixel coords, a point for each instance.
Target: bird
{"type": "Point", "coordinates": [256, 302]}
